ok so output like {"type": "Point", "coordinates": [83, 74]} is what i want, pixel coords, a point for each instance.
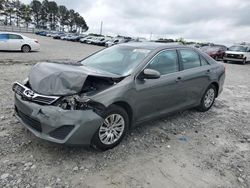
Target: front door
{"type": "Point", "coordinates": [159, 96]}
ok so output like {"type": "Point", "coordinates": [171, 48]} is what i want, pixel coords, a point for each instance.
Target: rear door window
{"type": "Point", "coordinates": [203, 61]}
{"type": "Point", "coordinates": [15, 37]}
{"type": "Point", "coordinates": [189, 59]}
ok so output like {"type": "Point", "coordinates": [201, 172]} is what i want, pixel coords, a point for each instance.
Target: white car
{"type": "Point", "coordinates": [16, 42]}
{"type": "Point", "coordinates": [239, 53]}
{"type": "Point", "coordinates": [115, 41]}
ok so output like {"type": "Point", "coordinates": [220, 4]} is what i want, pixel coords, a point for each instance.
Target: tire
{"type": "Point", "coordinates": [208, 98]}
{"type": "Point", "coordinates": [244, 61]}
{"type": "Point", "coordinates": [100, 139]}
{"type": "Point", "coordinates": [26, 48]}
{"type": "Point", "coordinates": [225, 61]}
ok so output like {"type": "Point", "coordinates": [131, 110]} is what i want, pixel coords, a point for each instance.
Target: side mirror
{"type": "Point", "coordinates": [150, 74]}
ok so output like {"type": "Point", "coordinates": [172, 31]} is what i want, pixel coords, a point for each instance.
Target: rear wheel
{"type": "Point", "coordinates": [113, 129]}
{"type": "Point", "coordinates": [26, 48]}
{"type": "Point", "coordinates": [208, 98]}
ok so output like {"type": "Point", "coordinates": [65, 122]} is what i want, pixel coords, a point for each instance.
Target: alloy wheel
{"type": "Point", "coordinates": [112, 129]}
{"type": "Point", "coordinates": [209, 98]}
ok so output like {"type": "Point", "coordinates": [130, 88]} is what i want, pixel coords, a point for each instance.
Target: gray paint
{"type": "Point", "coordinates": [147, 99]}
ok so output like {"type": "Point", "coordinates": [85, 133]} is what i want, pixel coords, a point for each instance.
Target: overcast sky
{"type": "Point", "coordinates": [220, 21]}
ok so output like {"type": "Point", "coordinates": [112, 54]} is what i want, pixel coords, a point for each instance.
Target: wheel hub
{"type": "Point", "coordinates": [112, 129]}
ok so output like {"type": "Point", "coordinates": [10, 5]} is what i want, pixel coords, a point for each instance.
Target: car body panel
{"type": "Point", "coordinates": [85, 123]}
{"type": "Point", "coordinates": [146, 98]}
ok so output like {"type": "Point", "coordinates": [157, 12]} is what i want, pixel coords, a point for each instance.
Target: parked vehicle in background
{"type": "Point", "coordinates": [41, 33]}
{"type": "Point", "coordinates": [216, 52]}
{"type": "Point", "coordinates": [96, 101]}
{"type": "Point", "coordinates": [59, 35]}
{"type": "Point", "coordinates": [17, 42]}
{"type": "Point", "coordinates": [76, 38]}
{"type": "Point", "coordinates": [116, 41]}
{"type": "Point", "coordinates": [51, 33]}
{"type": "Point", "coordinates": [194, 45]}
{"type": "Point", "coordinates": [85, 39]}
{"type": "Point", "coordinates": [239, 53]}
{"type": "Point", "coordinates": [66, 36]}
{"type": "Point", "coordinates": [103, 41]}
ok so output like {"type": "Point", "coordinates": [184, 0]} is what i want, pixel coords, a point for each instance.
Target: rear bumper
{"type": "Point", "coordinates": [35, 47]}
{"type": "Point", "coordinates": [74, 127]}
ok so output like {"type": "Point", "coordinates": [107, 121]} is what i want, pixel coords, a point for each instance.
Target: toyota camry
{"type": "Point", "coordinates": [97, 100]}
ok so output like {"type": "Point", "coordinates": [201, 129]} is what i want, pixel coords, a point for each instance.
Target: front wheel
{"type": "Point", "coordinates": [113, 129]}
{"type": "Point", "coordinates": [244, 61]}
{"type": "Point", "coordinates": [208, 99]}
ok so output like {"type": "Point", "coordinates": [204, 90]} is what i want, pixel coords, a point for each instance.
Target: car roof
{"type": "Point", "coordinates": [153, 45]}
{"type": "Point", "coordinates": [1, 32]}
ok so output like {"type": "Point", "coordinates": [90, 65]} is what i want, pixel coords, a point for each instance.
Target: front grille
{"type": "Point", "coordinates": [35, 124]}
{"type": "Point", "coordinates": [18, 89]}
{"type": "Point", "coordinates": [236, 56]}
{"type": "Point", "coordinates": [44, 100]}
{"type": "Point", "coordinates": [61, 132]}
{"type": "Point", "coordinates": [28, 94]}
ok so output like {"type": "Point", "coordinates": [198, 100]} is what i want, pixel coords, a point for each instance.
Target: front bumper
{"type": "Point", "coordinates": [74, 127]}
{"type": "Point", "coordinates": [233, 59]}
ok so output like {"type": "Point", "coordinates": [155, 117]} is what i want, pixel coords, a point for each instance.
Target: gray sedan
{"type": "Point", "coordinates": [97, 100]}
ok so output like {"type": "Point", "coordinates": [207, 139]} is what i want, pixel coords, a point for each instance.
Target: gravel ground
{"type": "Point", "coordinates": [51, 49]}
{"type": "Point", "coordinates": [186, 149]}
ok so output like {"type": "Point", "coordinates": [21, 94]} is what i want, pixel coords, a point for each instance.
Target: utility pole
{"type": "Point", "coordinates": [101, 28]}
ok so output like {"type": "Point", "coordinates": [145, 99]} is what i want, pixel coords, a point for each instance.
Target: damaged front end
{"type": "Point", "coordinates": [78, 102]}
{"type": "Point", "coordinates": [62, 111]}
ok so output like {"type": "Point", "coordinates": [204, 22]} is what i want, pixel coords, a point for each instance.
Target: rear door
{"type": "Point", "coordinates": [195, 77]}
{"type": "Point", "coordinates": [4, 42]}
{"type": "Point", "coordinates": [15, 42]}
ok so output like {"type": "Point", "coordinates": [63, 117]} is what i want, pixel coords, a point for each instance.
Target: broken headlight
{"type": "Point", "coordinates": [76, 102]}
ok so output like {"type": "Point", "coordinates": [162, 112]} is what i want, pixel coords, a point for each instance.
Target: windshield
{"type": "Point", "coordinates": [238, 48]}
{"type": "Point", "coordinates": [118, 60]}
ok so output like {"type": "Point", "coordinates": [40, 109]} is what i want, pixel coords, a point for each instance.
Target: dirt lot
{"type": "Point", "coordinates": [187, 149]}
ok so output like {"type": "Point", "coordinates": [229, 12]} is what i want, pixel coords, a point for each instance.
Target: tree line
{"type": "Point", "coordinates": [44, 15]}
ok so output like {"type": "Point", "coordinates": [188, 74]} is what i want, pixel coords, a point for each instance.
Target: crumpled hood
{"type": "Point", "coordinates": [61, 79]}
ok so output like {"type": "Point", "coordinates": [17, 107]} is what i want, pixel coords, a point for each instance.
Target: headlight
{"type": "Point", "coordinates": [76, 102]}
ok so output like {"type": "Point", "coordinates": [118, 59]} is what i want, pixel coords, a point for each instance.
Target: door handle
{"type": "Point", "coordinates": [178, 79]}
